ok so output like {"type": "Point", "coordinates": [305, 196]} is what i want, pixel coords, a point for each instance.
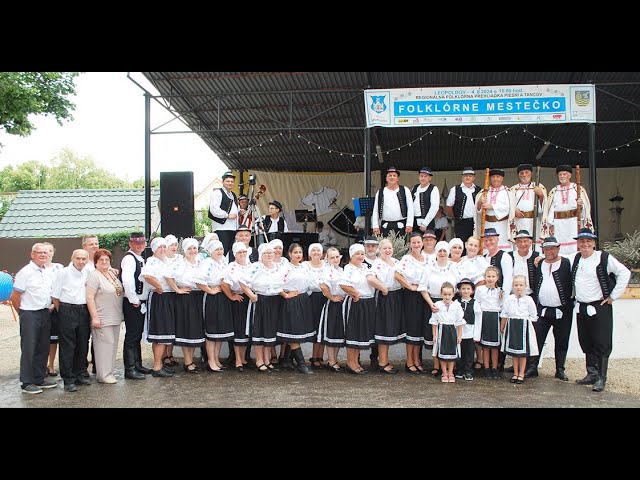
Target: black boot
{"type": "Point", "coordinates": [130, 371]}
{"type": "Point", "coordinates": [592, 370]}
{"type": "Point", "coordinates": [230, 361]}
{"type": "Point", "coordinates": [532, 367]}
{"type": "Point", "coordinates": [603, 366]}
{"type": "Point", "coordinates": [285, 362]}
{"type": "Point", "coordinates": [138, 361]}
{"type": "Point", "coordinates": [561, 357]}
{"type": "Point", "coordinates": [501, 358]}
{"type": "Point", "coordinates": [374, 357]}
{"type": "Point", "coordinates": [299, 360]}
{"type": "Point", "coordinates": [204, 358]}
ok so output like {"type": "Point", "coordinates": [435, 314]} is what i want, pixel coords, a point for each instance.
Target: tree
{"type": "Point", "coordinates": [38, 93]}
{"type": "Point", "coordinates": [30, 175]}
{"type": "Point", "coordinates": [69, 172]}
{"type": "Point", "coordinates": [139, 183]}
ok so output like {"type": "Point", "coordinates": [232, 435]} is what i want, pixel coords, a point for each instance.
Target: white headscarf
{"type": "Point", "coordinates": [214, 244]}
{"type": "Point", "coordinates": [238, 246]}
{"type": "Point", "coordinates": [157, 242]}
{"type": "Point", "coordinates": [315, 245]}
{"type": "Point", "coordinates": [356, 247]}
{"type": "Point", "coordinates": [171, 239]}
{"type": "Point", "coordinates": [455, 241]}
{"type": "Point", "coordinates": [263, 248]}
{"type": "Point", "coordinates": [188, 242]}
{"type": "Point", "coordinates": [442, 245]}
{"type": "Point", "coordinates": [276, 242]}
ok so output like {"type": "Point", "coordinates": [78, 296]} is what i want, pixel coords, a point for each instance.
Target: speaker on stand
{"type": "Point", "coordinates": [176, 204]}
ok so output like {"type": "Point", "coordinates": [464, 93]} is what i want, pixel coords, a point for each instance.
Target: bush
{"type": "Point", "coordinates": [627, 251]}
{"type": "Point", "coordinates": [110, 240]}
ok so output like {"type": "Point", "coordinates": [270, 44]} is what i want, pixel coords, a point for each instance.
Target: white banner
{"type": "Point", "coordinates": [509, 104]}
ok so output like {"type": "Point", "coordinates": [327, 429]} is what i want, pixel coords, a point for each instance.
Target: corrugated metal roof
{"type": "Point", "coordinates": [314, 121]}
{"type": "Point", "coordinates": [69, 213]}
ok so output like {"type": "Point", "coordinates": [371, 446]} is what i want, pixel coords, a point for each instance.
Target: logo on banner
{"type": "Point", "coordinates": [377, 103]}
{"type": "Point", "coordinates": [582, 97]}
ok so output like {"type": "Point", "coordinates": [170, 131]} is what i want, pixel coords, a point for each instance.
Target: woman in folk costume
{"type": "Point", "coordinates": [172, 256]}
{"type": "Point", "coordinates": [331, 328]}
{"type": "Point", "coordinates": [560, 219]}
{"type": "Point", "coordinates": [218, 322]}
{"type": "Point", "coordinates": [278, 260]}
{"type": "Point", "coordinates": [524, 196]}
{"type": "Point", "coordinates": [317, 267]}
{"type": "Point", "coordinates": [234, 272]}
{"type": "Point", "coordinates": [499, 209]}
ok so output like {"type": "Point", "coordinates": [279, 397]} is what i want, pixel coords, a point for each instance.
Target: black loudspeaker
{"type": "Point", "coordinates": [176, 204]}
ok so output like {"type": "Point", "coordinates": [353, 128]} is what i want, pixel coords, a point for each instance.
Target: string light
{"type": "Point", "coordinates": [568, 149]}
{"type": "Point", "coordinates": [260, 144]}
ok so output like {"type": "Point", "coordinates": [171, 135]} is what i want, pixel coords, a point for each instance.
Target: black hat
{"type": "Point", "coordinates": [550, 242]}
{"type": "Point", "coordinates": [276, 204]}
{"type": "Point", "coordinates": [585, 232]}
{"type": "Point", "coordinates": [393, 170]}
{"type": "Point", "coordinates": [564, 168]}
{"type": "Point", "coordinates": [228, 173]}
{"type": "Point", "coordinates": [490, 232]}
{"type": "Point", "coordinates": [243, 228]}
{"type": "Point", "coordinates": [466, 281]}
{"type": "Point", "coordinates": [525, 166]}
{"type": "Point", "coordinates": [496, 171]}
{"type": "Point", "coordinates": [426, 170]}
{"type": "Point", "coordinates": [137, 237]}
{"type": "Point", "coordinates": [371, 240]}
{"type": "Point", "coordinates": [468, 171]}
{"type": "Point", "coordinates": [523, 234]}
{"type": "Point", "coordinates": [243, 197]}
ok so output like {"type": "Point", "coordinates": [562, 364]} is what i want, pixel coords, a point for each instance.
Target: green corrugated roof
{"type": "Point", "coordinates": [70, 213]}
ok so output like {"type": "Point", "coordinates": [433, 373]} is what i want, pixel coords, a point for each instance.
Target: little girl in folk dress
{"type": "Point", "coordinates": [447, 331]}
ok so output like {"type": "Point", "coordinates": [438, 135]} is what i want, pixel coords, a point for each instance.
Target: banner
{"type": "Point", "coordinates": [509, 104]}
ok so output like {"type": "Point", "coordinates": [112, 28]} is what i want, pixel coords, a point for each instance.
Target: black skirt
{"type": "Point", "coordinates": [428, 331]}
{"type": "Point", "coordinates": [239, 313]}
{"type": "Point", "coordinates": [360, 320]}
{"type": "Point", "coordinates": [516, 338]}
{"type": "Point", "coordinates": [317, 303]}
{"type": "Point", "coordinates": [218, 322]}
{"type": "Point", "coordinates": [264, 324]}
{"type": "Point", "coordinates": [490, 334]}
{"type": "Point", "coordinates": [55, 327]}
{"type": "Point", "coordinates": [189, 320]}
{"type": "Point", "coordinates": [331, 329]}
{"type": "Point", "coordinates": [296, 324]}
{"type": "Point", "coordinates": [447, 345]}
{"type": "Point", "coordinates": [161, 318]}
{"type": "Point", "coordinates": [415, 314]}
{"type": "Point", "coordinates": [389, 328]}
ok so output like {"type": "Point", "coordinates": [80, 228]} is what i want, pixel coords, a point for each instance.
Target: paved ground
{"type": "Point", "coordinates": [290, 389]}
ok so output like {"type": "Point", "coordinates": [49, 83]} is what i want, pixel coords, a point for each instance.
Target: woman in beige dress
{"type": "Point", "coordinates": [104, 301]}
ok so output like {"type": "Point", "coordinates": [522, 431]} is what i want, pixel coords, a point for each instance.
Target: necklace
{"type": "Point", "coordinates": [113, 282]}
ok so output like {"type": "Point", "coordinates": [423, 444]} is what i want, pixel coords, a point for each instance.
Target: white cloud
{"type": "Point", "coordinates": [108, 125]}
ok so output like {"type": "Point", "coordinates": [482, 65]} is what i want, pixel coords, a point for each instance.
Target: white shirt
{"type": "Point", "coordinates": [357, 278]}
{"type": "Point", "coordinates": [489, 299]}
{"type": "Point", "coordinates": [548, 295]}
{"type": "Point", "coordinates": [412, 269]}
{"type": "Point", "coordinates": [564, 199]}
{"type": "Point", "coordinates": [434, 276]}
{"type": "Point", "coordinates": [263, 280]}
{"type": "Point", "coordinates": [128, 266]}
{"type": "Point", "coordinates": [212, 272]}
{"type": "Point", "coordinates": [322, 200]}
{"type": "Point", "coordinates": [523, 307]}
{"type": "Point", "coordinates": [331, 278]}
{"type": "Point", "coordinates": [234, 274]}
{"type": "Point", "coordinates": [327, 238]}
{"type": "Point", "coordinates": [472, 268]}
{"type": "Point", "coordinates": [216, 211]}
{"type": "Point", "coordinates": [386, 273]}
{"type": "Point", "coordinates": [35, 286]}
{"type": "Point", "coordinates": [69, 286]}
{"type": "Point", "coordinates": [468, 331]}
{"type": "Point", "coordinates": [185, 273]}
{"type": "Point", "coordinates": [297, 277]}
{"type": "Point", "coordinates": [391, 208]}
{"type": "Point", "coordinates": [274, 225]}
{"type": "Point", "coordinates": [433, 208]}
{"type": "Point", "coordinates": [316, 274]}
{"type": "Point", "coordinates": [520, 268]}
{"type": "Point", "coordinates": [587, 286]}
{"type": "Point", "coordinates": [524, 197]}
{"type": "Point", "coordinates": [453, 315]}
{"type": "Point", "coordinates": [156, 268]}
{"type": "Point", "coordinates": [441, 223]}
{"type": "Point", "coordinates": [469, 208]}
{"type": "Point", "coordinates": [498, 198]}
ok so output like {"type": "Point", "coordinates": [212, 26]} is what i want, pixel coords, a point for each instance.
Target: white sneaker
{"type": "Point", "coordinates": [109, 379]}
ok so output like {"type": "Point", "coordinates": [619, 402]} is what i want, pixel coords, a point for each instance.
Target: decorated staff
{"type": "Point", "coordinates": [526, 197]}
{"type": "Point", "coordinates": [485, 189]}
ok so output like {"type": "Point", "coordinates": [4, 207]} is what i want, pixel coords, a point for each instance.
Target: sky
{"type": "Point", "coordinates": [108, 126]}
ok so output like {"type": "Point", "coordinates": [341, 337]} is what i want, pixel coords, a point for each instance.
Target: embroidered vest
{"type": "Point", "coordinates": [562, 279]}
{"type": "Point", "coordinates": [402, 201]}
{"type": "Point", "coordinates": [266, 223]}
{"type": "Point", "coordinates": [225, 205]}
{"type": "Point", "coordinates": [606, 280]}
{"type": "Point", "coordinates": [496, 261]}
{"type": "Point", "coordinates": [531, 272]}
{"type": "Point", "coordinates": [425, 199]}
{"type": "Point", "coordinates": [461, 200]}
{"type": "Point", "coordinates": [139, 265]}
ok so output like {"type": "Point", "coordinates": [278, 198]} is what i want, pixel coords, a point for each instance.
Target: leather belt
{"type": "Point", "coordinates": [74, 305]}
{"type": "Point", "coordinates": [528, 214]}
{"type": "Point", "coordinates": [491, 218]}
{"type": "Point", "coordinates": [568, 214]}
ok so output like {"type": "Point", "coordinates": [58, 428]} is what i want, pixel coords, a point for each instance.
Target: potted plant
{"type": "Point", "coordinates": [627, 251]}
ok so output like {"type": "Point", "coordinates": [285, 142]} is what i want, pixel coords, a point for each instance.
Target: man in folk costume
{"type": "Point", "coordinates": [461, 205]}
{"type": "Point", "coordinates": [555, 307]}
{"type": "Point", "coordinates": [393, 207]}
{"type": "Point", "coordinates": [245, 216]}
{"type": "Point", "coordinates": [426, 199]}
{"type": "Point", "coordinates": [560, 217]}
{"type": "Point", "coordinates": [224, 211]}
{"type": "Point", "coordinates": [598, 280]}
{"type": "Point", "coordinates": [499, 209]}
{"type": "Point", "coordinates": [274, 222]}
{"type": "Point", "coordinates": [523, 197]}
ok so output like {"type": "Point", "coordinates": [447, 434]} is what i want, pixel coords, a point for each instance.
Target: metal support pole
{"type": "Point", "coordinates": [592, 180]}
{"type": "Point", "coordinates": [147, 165]}
{"type": "Point", "coordinates": [367, 175]}
{"type": "Point", "coordinates": [241, 182]}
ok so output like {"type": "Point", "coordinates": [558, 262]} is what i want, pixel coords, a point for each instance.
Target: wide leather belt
{"type": "Point", "coordinates": [74, 305]}
{"type": "Point", "coordinates": [492, 218]}
{"type": "Point", "coordinates": [528, 214]}
{"type": "Point", "coordinates": [568, 214]}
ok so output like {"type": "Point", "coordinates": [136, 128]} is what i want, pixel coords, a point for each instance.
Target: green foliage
{"type": "Point", "coordinates": [31, 175]}
{"type": "Point", "coordinates": [400, 248]}
{"type": "Point", "coordinates": [5, 203]}
{"type": "Point", "coordinates": [202, 222]}
{"type": "Point", "coordinates": [70, 172]}
{"type": "Point", "coordinates": [110, 240]}
{"type": "Point", "coordinates": [627, 251]}
{"type": "Point", "coordinates": [139, 183]}
{"type": "Point", "coordinates": [38, 93]}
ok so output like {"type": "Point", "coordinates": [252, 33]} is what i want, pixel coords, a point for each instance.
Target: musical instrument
{"type": "Point", "coordinates": [255, 211]}
{"type": "Point", "coordinates": [484, 210]}
{"type": "Point", "coordinates": [578, 188]}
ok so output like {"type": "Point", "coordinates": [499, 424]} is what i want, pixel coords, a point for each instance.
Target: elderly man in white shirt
{"type": "Point", "coordinates": [70, 299]}
{"type": "Point", "coordinates": [598, 279]}
{"type": "Point", "coordinates": [31, 296]}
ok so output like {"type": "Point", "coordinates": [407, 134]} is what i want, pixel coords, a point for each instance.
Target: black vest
{"type": "Point", "coordinates": [469, 315]}
{"type": "Point", "coordinates": [531, 272]}
{"type": "Point", "coordinates": [139, 265]}
{"type": "Point", "coordinates": [496, 261]}
{"type": "Point", "coordinates": [425, 199]}
{"type": "Point", "coordinates": [562, 279]}
{"type": "Point", "coordinates": [606, 280]}
{"type": "Point", "coordinates": [461, 200]}
{"type": "Point", "coordinates": [225, 205]}
{"type": "Point", "coordinates": [266, 224]}
{"type": "Point", "coordinates": [402, 201]}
